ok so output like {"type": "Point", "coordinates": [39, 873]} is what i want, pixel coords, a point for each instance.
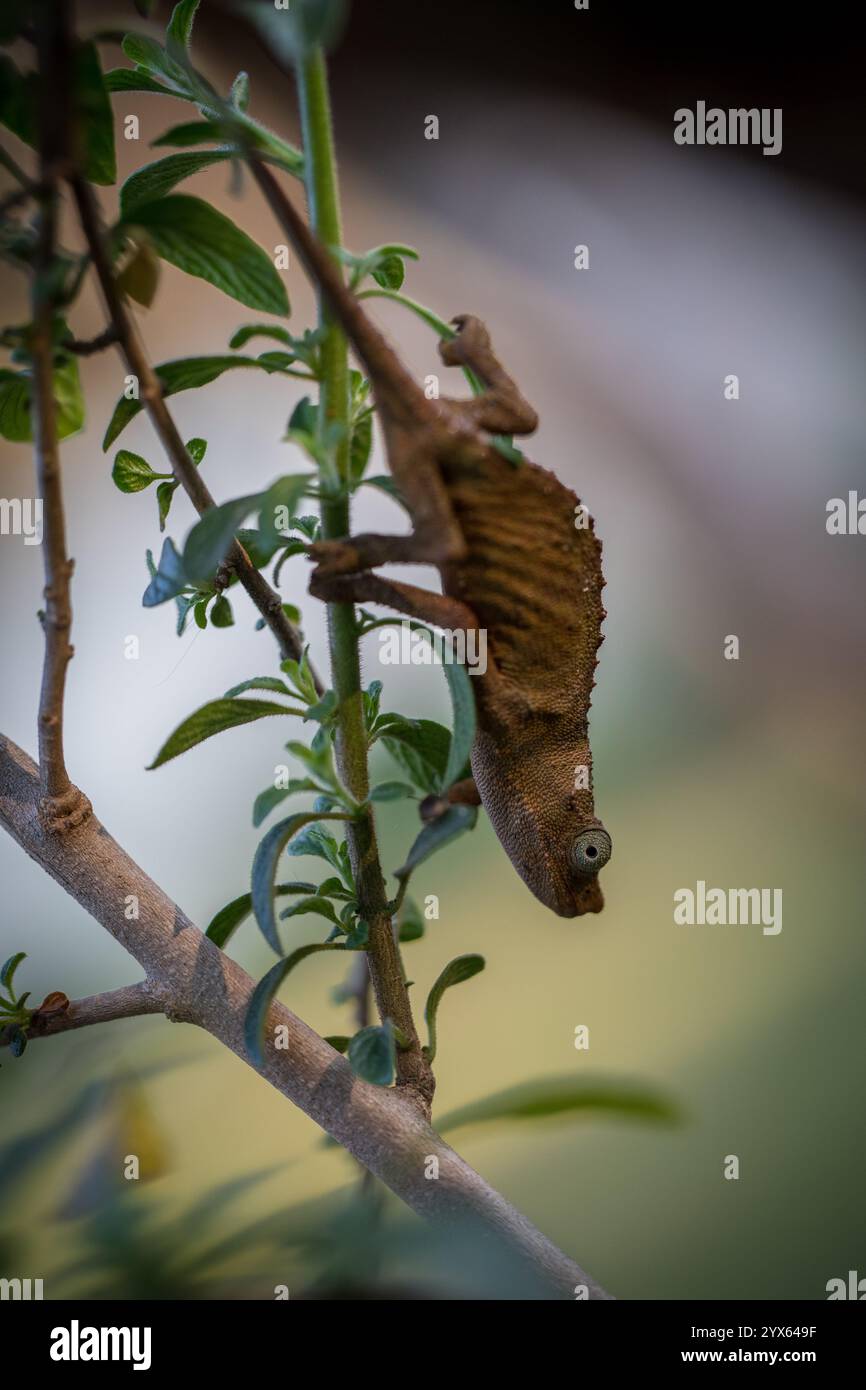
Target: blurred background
{"type": "Point", "coordinates": [555, 130]}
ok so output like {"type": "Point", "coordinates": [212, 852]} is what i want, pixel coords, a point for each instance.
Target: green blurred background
{"type": "Point", "coordinates": [739, 773]}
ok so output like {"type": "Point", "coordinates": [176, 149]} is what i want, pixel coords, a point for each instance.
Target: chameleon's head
{"type": "Point", "coordinates": [545, 819]}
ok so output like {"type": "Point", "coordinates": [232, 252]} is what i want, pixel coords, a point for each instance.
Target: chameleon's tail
{"type": "Point", "coordinates": [382, 363]}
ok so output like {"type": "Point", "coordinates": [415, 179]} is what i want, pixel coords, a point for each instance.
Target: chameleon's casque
{"type": "Point", "coordinates": [519, 558]}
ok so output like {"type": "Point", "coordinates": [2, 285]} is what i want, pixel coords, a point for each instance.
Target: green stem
{"type": "Point", "coordinates": [383, 954]}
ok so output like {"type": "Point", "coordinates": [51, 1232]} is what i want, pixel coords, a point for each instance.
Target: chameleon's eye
{"type": "Point", "coordinates": [591, 851]}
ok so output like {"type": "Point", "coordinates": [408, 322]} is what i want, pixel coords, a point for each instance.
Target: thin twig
{"type": "Point", "coordinates": [88, 347]}
{"type": "Point", "coordinates": [62, 806]}
{"type": "Point", "coordinates": [132, 1001]}
{"type": "Point", "coordinates": [266, 599]}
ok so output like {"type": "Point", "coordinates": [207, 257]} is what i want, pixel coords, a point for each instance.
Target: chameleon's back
{"type": "Point", "coordinates": [532, 575]}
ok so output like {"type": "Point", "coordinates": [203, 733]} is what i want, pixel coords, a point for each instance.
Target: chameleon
{"type": "Point", "coordinates": [518, 558]}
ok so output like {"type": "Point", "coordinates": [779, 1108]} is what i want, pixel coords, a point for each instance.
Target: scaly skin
{"type": "Point", "coordinates": [514, 562]}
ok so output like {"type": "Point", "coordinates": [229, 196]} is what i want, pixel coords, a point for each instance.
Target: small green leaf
{"type": "Point", "coordinates": [16, 401]}
{"type": "Point", "coordinates": [391, 791]}
{"type": "Point", "coordinates": [195, 133]}
{"type": "Point", "coordinates": [265, 990]}
{"type": "Point", "coordinates": [224, 924]}
{"type": "Point", "coordinates": [271, 797]}
{"type": "Point", "coordinates": [221, 614]}
{"type": "Point", "coordinates": [139, 277]}
{"type": "Point", "coordinates": [155, 180]}
{"type": "Point", "coordinates": [316, 841]}
{"type": "Point", "coordinates": [132, 473]}
{"type": "Point", "coordinates": [420, 746]}
{"type": "Point", "coordinates": [464, 722]}
{"type": "Point", "coordinates": [323, 710]}
{"type": "Point", "coordinates": [179, 32]}
{"type": "Point", "coordinates": [167, 581]}
{"type": "Point", "coordinates": [133, 80]}
{"type": "Point", "coordinates": [460, 969]}
{"type": "Point", "coordinates": [208, 542]}
{"type": "Point", "coordinates": [411, 922]}
{"type": "Point", "coordinates": [260, 330]}
{"type": "Point", "coordinates": [438, 833]}
{"type": "Point", "coordinates": [212, 719]}
{"type": "Point", "coordinates": [7, 971]}
{"type": "Point", "coordinates": [240, 92]}
{"type": "Point", "coordinates": [259, 683]}
{"type": "Point", "coordinates": [563, 1095]}
{"type": "Point", "coordinates": [164, 494]}
{"type": "Point", "coordinates": [320, 906]}
{"type": "Point", "coordinates": [372, 1054]}
{"type": "Point", "coordinates": [193, 236]}
{"type": "Point", "coordinates": [265, 865]}
{"type": "Point", "coordinates": [17, 1041]}
{"type": "Point", "coordinates": [339, 1042]}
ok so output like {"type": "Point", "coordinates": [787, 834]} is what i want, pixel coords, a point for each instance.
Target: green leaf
{"type": "Point", "coordinates": [17, 1042]}
{"type": "Point", "coordinates": [148, 54]}
{"type": "Point", "coordinates": [95, 116]}
{"type": "Point", "coordinates": [372, 1054]}
{"type": "Point", "coordinates": [133, 80]}
{"type": "Point", "coordinates": [193, 236]}
{"type": "Point", "coordinates": [208, 542]}
{"type": "Point", "coordinates": [412, 926]}
{"type": "Point", "coordinates": [164, 495]}
{"type": "Point", "coordinates": [179, 32]}
{"type": "Point", "coordinates": [563, 1095]}
{"type": "Point", "coordinates": [225, 922]}
{"type": "Point", "coordinates": [212, 719]}
{"type": "Point", "coordinates": [155, 180]}
{"type": "Point", "coordinates": [317, 842]}
{"type": "Point", "coordinates": [168, 580]}
{"type": "Point", "coordinates": [240, 92]}
{"type": "Point", "coordinates": [139, 277]}
{"type": "Point", "coordinates": [16, 390]}
{"type": "Point", "coordinates": [421, 747]}
{"type": "Point", "coordinates": [438, 833]}
{"type": "Point", "coordinates": [271, 797]}
{"type": "Point", "coordinates": [259, 683]}
{"type": "Point", "coordinates": [278, 505]}
{"type": "Point", "coordinates": [460, 969]}
{"type": "Point", "coordinates": [360, 445]}
{"type": "Point", "coordinates": [323, 710]}
{"type": "Point", "coordinates": [464, 722]}
{"type": "Point", "coordinates": [315, 904]}
{"type": "Point", "coordinates": [7, 971]}
{"type": "Point", "coordinates": [339, 1042]}
{"type": "Point", "coordinates": [264, 870]}
{"type": "Point", "coordinates": [391, 791]}
{"type": "Point", "coordinates": [221, 613]}
{"type": "Point", "coordinates": [265, 990]}
{"type": "Point", "coordinates": [196, 133]}
{"type": "Point", "coordinates": [260, 330]}
{"type": "Point", "coordinates": [132, 473]}
{"type": "Point", "coordinates": [183, 374]}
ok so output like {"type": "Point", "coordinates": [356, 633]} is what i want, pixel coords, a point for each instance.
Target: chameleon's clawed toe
{"type": "Point", "coordinates": [472, 338]}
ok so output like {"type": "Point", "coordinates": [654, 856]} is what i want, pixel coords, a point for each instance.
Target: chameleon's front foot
{"type": "Point", "coordinates": [471, 343]}
{"type": "Point", "coordinates": [335, 557]}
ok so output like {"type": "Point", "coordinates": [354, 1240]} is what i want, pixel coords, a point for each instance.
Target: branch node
{"type": "Point", "coordinates": [60, 814]}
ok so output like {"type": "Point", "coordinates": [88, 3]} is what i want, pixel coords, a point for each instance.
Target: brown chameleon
{"type": "Point", "coordinates": [518, 557]}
